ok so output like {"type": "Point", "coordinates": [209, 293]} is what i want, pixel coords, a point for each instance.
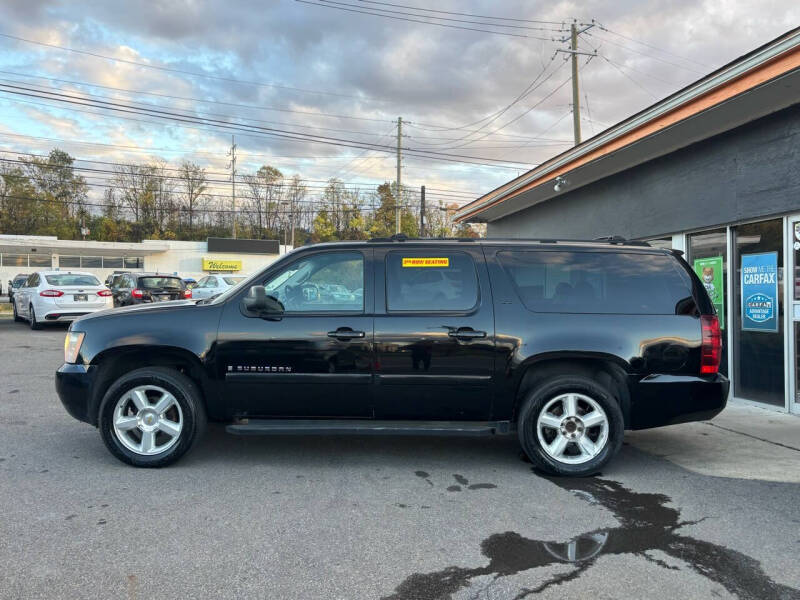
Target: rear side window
{"type": "Point", "coordinates": [599, 282]}
{"type": "Point", "coordinates": [430, 282]}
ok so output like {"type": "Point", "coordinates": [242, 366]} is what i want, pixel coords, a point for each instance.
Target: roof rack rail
{"type": "Point", "coordinates": [402, 237]}
{"type": "Point", "coordinates": [618, 239]}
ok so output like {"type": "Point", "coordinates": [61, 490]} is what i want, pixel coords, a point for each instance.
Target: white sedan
{"type": "Point", "coordinates": [214, 284]}
{"type": "Point", "coordinates": [53, 296]}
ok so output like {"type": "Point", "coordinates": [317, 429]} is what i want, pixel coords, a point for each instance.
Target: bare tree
{"type": "Point", "coordinates": [194, 185]}
{"type": "Point", "coordinates": [265, 194]}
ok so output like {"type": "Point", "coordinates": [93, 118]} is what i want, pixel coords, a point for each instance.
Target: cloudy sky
{"type": "Point", "coordinates": [315, 88]}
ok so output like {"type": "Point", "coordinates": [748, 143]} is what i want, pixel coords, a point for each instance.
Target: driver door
{"type": "Point", "coordinates": [316, 359]}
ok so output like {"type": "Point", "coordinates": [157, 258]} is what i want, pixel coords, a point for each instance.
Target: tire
{"type": "Point", "coordinates": [35, 325]}
{"type": "Point", "coordinates": [582, 449]}
{"type": "Point", "coordinates": [17, 318]}
{"type": "Point", "coordinates": [127, 441]}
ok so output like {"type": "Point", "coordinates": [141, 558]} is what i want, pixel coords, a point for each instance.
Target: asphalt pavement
{"type": "Point", "coordinates": [364, 517]}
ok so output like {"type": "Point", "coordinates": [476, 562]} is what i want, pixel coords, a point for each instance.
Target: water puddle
{"type": "Point", "coordinates": [648, 529]}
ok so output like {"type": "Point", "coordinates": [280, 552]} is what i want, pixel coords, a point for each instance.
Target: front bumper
{"type": "Point", "coordinates": [658, 400]}
{"type": "Point", "coordinates": [74, 384]}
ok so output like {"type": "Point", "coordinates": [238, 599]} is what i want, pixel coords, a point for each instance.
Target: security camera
{"type": "Point", "coordinates": [560, 182]}
{"type": "Point", "coordinates": [557, 186]}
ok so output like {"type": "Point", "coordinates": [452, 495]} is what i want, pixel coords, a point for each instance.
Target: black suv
{"type": "Point", "coordinates": [144, 288]}
{"type": "Point", "coordinates": [566, 344]}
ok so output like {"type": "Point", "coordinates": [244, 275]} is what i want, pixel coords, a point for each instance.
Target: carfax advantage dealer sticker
{"type": "Point", "coordinates": [426, 262]}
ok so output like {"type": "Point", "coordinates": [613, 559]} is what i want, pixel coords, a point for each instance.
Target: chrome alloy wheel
{"type": "Point", "coordinates": [572, 428]}
{"type": "Point", "coordinates": [148, 420]}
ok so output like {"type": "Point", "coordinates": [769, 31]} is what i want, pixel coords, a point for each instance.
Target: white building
{"type": "Point", "coordinates": [28, 253]}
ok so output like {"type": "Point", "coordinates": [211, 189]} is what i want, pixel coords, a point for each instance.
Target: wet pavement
{"type": "Point", "coordinates": [397, 518]}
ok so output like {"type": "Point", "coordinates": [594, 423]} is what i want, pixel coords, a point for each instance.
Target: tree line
{"type": "Point", "coordinates": [51, 196]}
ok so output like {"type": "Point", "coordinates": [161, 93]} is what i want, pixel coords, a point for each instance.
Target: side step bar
{"type": "Point", "coordinates": [366, 427]}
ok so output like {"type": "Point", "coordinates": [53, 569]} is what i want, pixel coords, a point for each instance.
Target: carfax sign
{"type": "Point", "coordinates": [760, 292]}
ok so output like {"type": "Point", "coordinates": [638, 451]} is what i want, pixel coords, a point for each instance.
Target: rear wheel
{"type": "Point", "coordinates": [570, 425]}
{"type": "Point", "coordinates": [151, 417]}
{"type": "Point", "coordinates": [35, 325]}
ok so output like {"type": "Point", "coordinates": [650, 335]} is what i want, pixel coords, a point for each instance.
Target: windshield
{"type": "Point", "coordinates": [70, 279]}
{"type": "Point", "coordinates": [233, 280]}
{"type": "Point", "coordinates": [161, 282]}
{"type": "Point", "coordinates": [19, 281]}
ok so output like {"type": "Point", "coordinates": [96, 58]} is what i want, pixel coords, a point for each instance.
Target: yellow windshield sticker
{"type": "Point", "coordinates": [426, 262]}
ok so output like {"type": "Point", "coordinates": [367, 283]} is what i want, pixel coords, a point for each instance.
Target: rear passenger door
{"type": "Point", "coordinates": [434, 334]}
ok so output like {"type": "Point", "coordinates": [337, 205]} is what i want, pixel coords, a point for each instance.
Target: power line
{"type": "Point", "coordinates": [252, 129]}
{"type": "Point", "coordinates": [624, 74]}
{"type": "Point", "coordinates": [376, 14]}
{"type": "Point", "coordinates": [397, 12]}
{"type": "Point", "coordinates": [531, 87]}
{"type": "Point", "coordinates": [659, 49]}
{"type": "Point", "coordinates": [658, 58]}
{"type": "Point", "coordinates": [445, 12]}
{"type": "Point", "coordinates": [173, 70]}
{"type": "Point", "coordinates": [518, 117]}
{"type": "Point", "coordinates": [257, 107]}
{"type": "Point", "coordinates": [200, 100]}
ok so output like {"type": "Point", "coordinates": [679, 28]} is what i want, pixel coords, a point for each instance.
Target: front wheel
{"type": "Point", "coordinates": [570, 425]}
{"type": "Point", "coordinates": [17, 318]}
{"type": "Point", "coordinates": [151, 417]}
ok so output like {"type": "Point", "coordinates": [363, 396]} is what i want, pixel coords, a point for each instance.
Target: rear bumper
{"type": "Point", "coordinates": [74, 388]}
{"type": "Point", "coordinates": [658, 400]}
{"type": "Point", "coordinates": [64, 316]}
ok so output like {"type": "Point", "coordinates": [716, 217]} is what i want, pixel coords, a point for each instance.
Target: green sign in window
{"type": "Point", "coordinates": [709, 270]}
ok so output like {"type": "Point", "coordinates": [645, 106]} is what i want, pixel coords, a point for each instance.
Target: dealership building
{"type": "Point", "coordinates": [712, 170]}
{"type": "Point", "coordinates": [28, 253]}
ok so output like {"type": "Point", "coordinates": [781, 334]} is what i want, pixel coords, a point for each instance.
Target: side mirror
{"type": "Point", "coordinates": [257, 301]}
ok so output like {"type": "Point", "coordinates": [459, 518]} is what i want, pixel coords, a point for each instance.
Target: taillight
{"type": "Point", "coordinates": [711, 347]}
{"type": "Point", "coordinates": [51, 293]}
{"type": "Point", "coordinates": [104, 293]}
{"type": "Point", "coordinates": [187, 293]}
{"type": "Point", "coordinates": [136, 293]}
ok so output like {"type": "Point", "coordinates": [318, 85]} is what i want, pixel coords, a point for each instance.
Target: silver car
{"type": "Point", "coordinates": [214, 284]}
{"type": "Point", "coordinates": [53, 296]}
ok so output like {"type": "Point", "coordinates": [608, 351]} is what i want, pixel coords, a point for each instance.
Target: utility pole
{"type": "Point", "coordinates": [576, 108]}
{"type": "Point", "coordinates": [422, 211]}
{"type": "Point", "coordinates": [291, 212]}
{"type": "Point", "coordinates": [399, 196]}
{"type": "Point", "coordinates": [574, 52]}
{"type": "Point", "coordinates": [232, 154]}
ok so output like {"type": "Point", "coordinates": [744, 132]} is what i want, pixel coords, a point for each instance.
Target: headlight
{"type": "Point", "coordinates": [72, 346]}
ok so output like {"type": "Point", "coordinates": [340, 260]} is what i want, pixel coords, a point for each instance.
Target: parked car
{"type": "Point", "coordinates": [14, 284]}
{"type": "Point", "coordinates": [565, 344]}
{"type": "Point", "coordinates": [190, 282]}
{"type": "Point", "coordinates": [113, 277]}
{"type": "Point", "coordinates": [53, 296]}
{"type": "Point", "coordinates": [215, 284]}
{"type": "Point", "coordinates": [145, 288]}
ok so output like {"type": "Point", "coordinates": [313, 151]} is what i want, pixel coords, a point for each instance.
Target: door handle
{"type": "Point", "coordinates": [466, 333]}
{"type": "Point", "coordinates": [345, 333]}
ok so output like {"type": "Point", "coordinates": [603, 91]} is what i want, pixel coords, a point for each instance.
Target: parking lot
{"type": "Point", "coordinates": [363, 517]}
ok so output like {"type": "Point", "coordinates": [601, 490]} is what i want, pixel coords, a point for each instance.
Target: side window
{"type": "Point", "coordinates": [33, 280]}
{"type": "Point", "coordinates": [431, 282]}
{"type": "Point", "coordinates": [211, 282]}
{"type": "Point", "coordinates": [599, 282]}
{"type": "Point", "coordinates": [329, 281]}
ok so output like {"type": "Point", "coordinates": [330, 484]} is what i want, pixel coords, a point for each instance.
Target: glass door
{"type": "Point", "coordinates": [758, 312]}
{"type": "Point", "coordinates": [793, 280]}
